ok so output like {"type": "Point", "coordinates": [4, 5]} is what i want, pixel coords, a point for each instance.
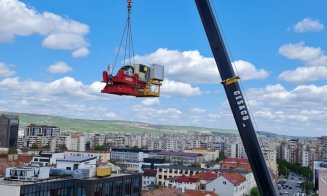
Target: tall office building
{"type": "Point", "coordinates": [8, 130]}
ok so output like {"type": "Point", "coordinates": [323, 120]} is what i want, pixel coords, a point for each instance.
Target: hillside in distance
{"type": "Point", "coordinates": [111, 126]}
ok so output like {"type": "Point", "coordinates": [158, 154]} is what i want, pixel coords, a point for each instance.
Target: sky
{"type": "Point", "coordinates": [52, 54]}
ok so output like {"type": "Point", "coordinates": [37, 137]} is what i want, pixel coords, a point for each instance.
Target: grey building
{"type": "Point", "coordinates": [8, 130]}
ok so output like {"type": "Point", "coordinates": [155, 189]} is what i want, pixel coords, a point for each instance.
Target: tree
{"type": "Point", "coordinates": [254, 192]}
{"type": "Point", "coordinates": [221, 156]}
{"type": "Point", "coordinates": [12, 151]}
{"type": "Point", "coordinates": [34, 146]}
{"type": "Point", "coordinates": [99, 148]}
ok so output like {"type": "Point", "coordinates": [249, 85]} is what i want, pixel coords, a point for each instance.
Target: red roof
{"type": "Point", "coordinates": [184, 178]}
{"type": "Point", "coordinates": [236, 160]}
{"type": "Point", "coordinates": [150, 172]}
{"type": "Point", "coordinates": [234, 178]}
{"type": "Point", "coordinates": [189, 192]}
{"type": "Point", "coordinates": [205, 176]}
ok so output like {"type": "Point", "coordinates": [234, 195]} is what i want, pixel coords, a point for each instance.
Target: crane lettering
{"type": "Point", "coordinates": [241, 105]}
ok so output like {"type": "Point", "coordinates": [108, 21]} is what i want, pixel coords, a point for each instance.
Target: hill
{"type": "Point", "coordinates": [107, 126]}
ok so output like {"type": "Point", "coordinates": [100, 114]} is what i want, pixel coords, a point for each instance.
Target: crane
{"type": "Point", "coordinates": [139, 80]}
{"type": "Point", "coordinates": [132, 79]}
{"type": "Point", "coordinates": [236, 99]}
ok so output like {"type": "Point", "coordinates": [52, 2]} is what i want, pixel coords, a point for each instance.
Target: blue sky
{"type": "Point", "coordinates": [52, 55]}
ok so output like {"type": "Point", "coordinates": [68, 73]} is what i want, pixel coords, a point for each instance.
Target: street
{"type": "Point", "coordinates": [290, 186]}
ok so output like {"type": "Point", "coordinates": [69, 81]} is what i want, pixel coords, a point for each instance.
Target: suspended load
{"type": "Point", "coordinates": [132, 79]}
{"type": "Point", "coordinates": [138, 80]}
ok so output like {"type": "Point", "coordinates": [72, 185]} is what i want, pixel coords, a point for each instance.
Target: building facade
{"type": "Point", "coordinates": [9, 130]}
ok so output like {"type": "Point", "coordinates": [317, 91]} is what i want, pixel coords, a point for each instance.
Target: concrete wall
{"type": "Point", "coordinates": [9, 190]}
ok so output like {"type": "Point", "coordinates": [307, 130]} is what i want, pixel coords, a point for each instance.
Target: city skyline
{"type": "Point", "coordinates": [52, 56]}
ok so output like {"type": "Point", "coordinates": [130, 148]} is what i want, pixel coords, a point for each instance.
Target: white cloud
{"type": "Point", "coordinates": [298, 111]}
{"type": "Point", "coordinates": [197, 110]}
{"type": "Point", "coordinates": [313, 59]}
{"type": "Point", "coordinates": [150, 101]}
{"type": "Point", "coordinates": [6, 71]}
{"type": "Point", "coordinates": [157, 114]}
{"type": "Point", "coordinates": [65, 87]}
{"type": "Point", "coordinates": [59, 67]}
{"type": "Point", "coordinates": [17, 19]}
{"type": "Point", "coordinates": [82, 52]}
{"type": "Point", "coordinates": [171, 88]}
{"type": "Point", "coordinates": [308, 25]}
{"type": "Point", "coordinates": [311, 56]}
{"type": "Point", "coordinates": [248, 71]}
{"type": "Point", "coordinates": [307, 74]}
{"type": "Point", "coordinates": [192, 67]}
{"type": "Point", "coordinates": [65, 97]}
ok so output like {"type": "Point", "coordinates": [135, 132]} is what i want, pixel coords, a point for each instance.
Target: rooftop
{"type": "Point", "coordinates": [234, 178]}
{"type": "Point", "coordinates": [182, 178]}
{"type": "Point", "coordinates": [150, 172]}
{"type": "Point", "coordinates": [189, 192]}
{"type": "Point", "coordinates": [76, 159]}
{"type": "Point", "coordinates": [205, 176]}
{"type": "Point", "coordinates": [236, 160]}
{"type": "Point", "coordinates": [184, 154]}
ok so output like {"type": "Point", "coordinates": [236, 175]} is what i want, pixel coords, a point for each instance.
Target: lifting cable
{"type": "Point", "coordinates": [128, 38]}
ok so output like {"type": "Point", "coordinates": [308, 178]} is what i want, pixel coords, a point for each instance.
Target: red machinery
{"type": "Point", "coordinates": [138, 80]}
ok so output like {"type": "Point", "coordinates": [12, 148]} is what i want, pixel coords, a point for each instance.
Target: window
{"type": "Point", "coordinates": [224, 182]}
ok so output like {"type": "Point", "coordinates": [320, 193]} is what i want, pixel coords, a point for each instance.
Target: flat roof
{"type": "Point", "coordinates": [76, 159]}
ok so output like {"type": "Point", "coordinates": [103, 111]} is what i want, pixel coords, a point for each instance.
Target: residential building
{"type": "Point", "coordinates": [318, 166]}
{"type": "Point", "coordinates": [181, 183]}
{"type": "Point", "coordinates": [41, 130]}
{"type": "Point", "coordinates": [322, 183]}
{"type": "Point", "coordinates": [208, 154]}
{"type": "Point", "coordinates": [130, 154]}
{"type": "Point", "coordinates": [9, 130]}
{"type": "Point", "coordinates": [181, 158]}
{"type": "Point", "coordinates": [149, 178]}
{"type": "Point", "coordinates": [231, 184]}
{"type": "Point", "coordinates": [164, 172]}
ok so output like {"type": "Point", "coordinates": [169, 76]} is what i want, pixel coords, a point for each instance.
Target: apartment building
{"type": "Point", "coordinates": [181, 158]}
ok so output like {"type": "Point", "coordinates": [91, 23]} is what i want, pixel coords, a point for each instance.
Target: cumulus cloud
{"type": "Point", "coordinates": [171, 88]}
{"type": "Point", "coordinates": [248, 71]}
{"type": "Point", "coordinates": [160, 114]}
{"type": "Point", "coordinates": [197, 110]}
{"type": "Point", "coordinates": [308, 25]}
{"type": "Point", "coordinates": [82, 52]}
{"type": "Point", "coordinates": [65, 96]}
{"type": "Point", "coordinates": [311, 56]}
{"type": "Point", "coordinates": [150, 101]}
{"type": "Point", "coordinates": [17, 19]}
{"type": "Point", "coordinates": [313, 59]}
{"type": "Point", "coordinates": [6, 70]}
{"type": "Point", "coordinates": [307, 74]}
{"type": "Point", "coordinates": [299, 111]}
{"type": "Point", "coordinates": [192, 67]}
{"type": "Point", "coordinates": [66, 87]}
{"type": "Point", "coordinates": [59, 67]}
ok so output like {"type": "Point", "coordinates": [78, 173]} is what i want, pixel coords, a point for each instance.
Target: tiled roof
{"type": "Point", "coordinates": [150, 172]}
{"type": "Point", "coordinates": [189, 192]}
{"type": "Point", "coordinates": [205, 176]}
{"type": "Point", "coordinates": [184, 154]}
{"type": "Point", "coordinates": [236, 160]}
{"type": "Point", "coordinates": [182, 178]}
{"type": "Point", "coordinates": [234, 178]}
